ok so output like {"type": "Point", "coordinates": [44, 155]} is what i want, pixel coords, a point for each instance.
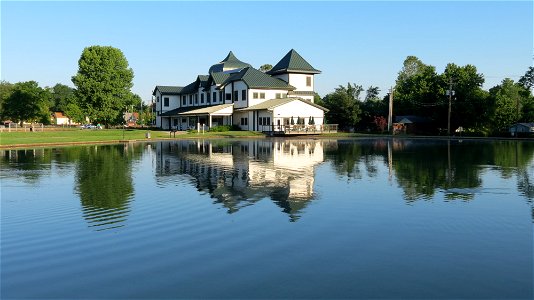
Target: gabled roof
{"type": "Point", "coordinates": [168, 90]}
{"type": "Point", "coordinates": [256, 79]}
{"type": "Point", "coordinates": [411, 119]}
{"type": "Point", "coordinates": [292, 62]}
{"type": "Point", "coordinates": [190, 88]}
{"type": "Point", "coordinates": [271, 104]}
{"type": "Point", "coordinates": [230, 62]}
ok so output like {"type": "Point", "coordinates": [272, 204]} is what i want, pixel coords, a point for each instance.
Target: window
{"type": "Point", "coordinates": [190, 99]}
{"type": "Point", "coordinates": [308, 80]}
{"type": "Point", "coordinates": [196, 98]}
{"type": "Point", "coordinates": [255, 95]}
{"type": "Point", "coordinates": [184, 100]}
{"type": "Point", "coordinates": [175, 122]}
{"type": "Point", "coordinates": [244, 121]}
{"type": "Point", "coordinates": [228, 96]}
{"type": "Point", "coordinates": [214, 96]}
{"type": "Point", "coordinates": [166, 101]}
{"type": "Point", "coordinates": [157, 99]}
{"type": "Point", "coordinates": [202, 98]}
{"type": "Point", "coordinates": [208, 96]}
{"type": "Point", "coordinates": [221, 96]}
{"type": "Point", "coordinates": [279, 95]}
{"type": "Point", "coordinates": [262, 95]}
{"type": "Point", "coordinates": [244, 95]}
{"type": "Point", "coordinates": [265, 121]}
{"type": "Point", "coordinates": [236, 95]}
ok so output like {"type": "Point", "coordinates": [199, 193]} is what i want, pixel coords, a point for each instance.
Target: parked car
{"type": "Point", "coordinates": [88, 126]}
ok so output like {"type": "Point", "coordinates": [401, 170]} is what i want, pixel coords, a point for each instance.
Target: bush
{"type": "Point", "coordinates": [224, 128]}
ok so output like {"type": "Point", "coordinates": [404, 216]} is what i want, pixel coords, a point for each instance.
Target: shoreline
{"type": "Point", "coordinates": [333, 136]}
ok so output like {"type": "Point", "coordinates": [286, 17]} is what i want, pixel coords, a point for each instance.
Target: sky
{"type": "Point", "coordinates": [171, 42]}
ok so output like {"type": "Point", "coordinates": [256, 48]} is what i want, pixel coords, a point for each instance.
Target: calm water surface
{"type": "Point", "coordinates": [269, 218]}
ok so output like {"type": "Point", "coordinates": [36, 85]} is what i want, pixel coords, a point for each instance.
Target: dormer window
{"type": "Point", "coordinates": [308, 81]}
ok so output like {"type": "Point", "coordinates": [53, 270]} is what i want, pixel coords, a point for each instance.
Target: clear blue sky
{"type": "Point", "coordinates": [170, 43]}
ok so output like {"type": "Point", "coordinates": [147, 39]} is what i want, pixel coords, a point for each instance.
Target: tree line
{"type": "Point", "coordinates": [420, 91]}
{"type": "Point", "coordinates": [102, 93]}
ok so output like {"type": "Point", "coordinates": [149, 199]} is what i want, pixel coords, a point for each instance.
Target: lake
{"type": "Point", "coordinates": [269, 218]}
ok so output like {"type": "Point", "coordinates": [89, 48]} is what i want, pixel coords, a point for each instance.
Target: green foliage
{"type": "Point", "coordinates": [62, 96]}
{"type": "Point", "coordinates": [6, 89]}
{"type": "Point", "coordinates": [527, 80]}
{"type": "Point", "coordinates": [103, 84]}
{"type": "Point", "coordinates": [221, 128]}
{"type": "Point", "coordinates": [507, 100]}
{"type": "Point", "coordinates": [470, 103]}
{"type": "Point", "coordinates": [28, 103]}
{"type": "Point", "coordinates": [265, 67]}
{"type": "Point", "coordinates": [344, 105]}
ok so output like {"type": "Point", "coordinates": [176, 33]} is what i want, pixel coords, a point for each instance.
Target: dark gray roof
{"type": "Point", "coordinates": [167, 90]}
{"type": "Point", "coordinates": [230, 62]}
{"type": "Point", "coordinates": [411, 119]}
{"type": "Point", "coordinates": [292, 62]}
{"type": "Point", "coordinates": [256, 79]}
{"type": "Point", "coordinates": [190, 88]}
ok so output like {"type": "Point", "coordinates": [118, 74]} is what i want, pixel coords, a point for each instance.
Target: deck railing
{"type": "Point", "coordinates": [300, 129]}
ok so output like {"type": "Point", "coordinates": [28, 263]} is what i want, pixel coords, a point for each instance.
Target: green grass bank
{"type": "Point", "coordinates": [88, 136]}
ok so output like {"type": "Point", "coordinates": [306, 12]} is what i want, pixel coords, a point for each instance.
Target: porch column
{"type": "Point", "coordinates": [209, 120]}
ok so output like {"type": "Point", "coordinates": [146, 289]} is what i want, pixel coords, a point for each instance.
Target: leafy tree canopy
{"type": "Point", "coordinates": [344, 105]}
{"type": "Point", "coordinates": [103, 84]}
{"type": "Point", "coordinates": [527, 80]}
{"type": "Point", "coordinates": [266, 67]}
{"type": "Point", "coordinates": [28, 103]}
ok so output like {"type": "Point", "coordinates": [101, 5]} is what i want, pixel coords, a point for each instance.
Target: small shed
{"type": "Point", "coordinates": [409, 124]}
{"type": "Point", "coordinates": [522, 128]}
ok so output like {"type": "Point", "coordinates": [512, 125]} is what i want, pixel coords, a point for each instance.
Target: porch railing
{"type": "Point", "coordinates": [304, 129]}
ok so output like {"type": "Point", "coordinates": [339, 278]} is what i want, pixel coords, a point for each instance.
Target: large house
{"type": "Point", "coordinates": [235, 93]}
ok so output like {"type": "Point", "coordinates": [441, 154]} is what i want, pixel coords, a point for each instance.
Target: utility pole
{"type": "Point", "coordinates": [390, 114]}
{"type": "Point", "coordinates": [450, 92]}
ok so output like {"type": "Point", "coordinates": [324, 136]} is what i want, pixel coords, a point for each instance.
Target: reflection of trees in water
{"type": "Point", "coordinates": [104, 183]}
{"type": "Point", "coordinates": [423, 167]}
{"type": "Point", "coordinates": [30, 164]}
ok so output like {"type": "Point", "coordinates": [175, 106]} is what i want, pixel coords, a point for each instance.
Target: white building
{"type": "Point", "coordinates": [235, 93]}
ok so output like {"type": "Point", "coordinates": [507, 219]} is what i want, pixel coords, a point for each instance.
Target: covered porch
{"type": "Point", "coordinates": [206, 117]}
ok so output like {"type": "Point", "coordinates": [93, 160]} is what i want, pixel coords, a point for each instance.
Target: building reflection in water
{"type": "Point", "coordinates": [240, 173]}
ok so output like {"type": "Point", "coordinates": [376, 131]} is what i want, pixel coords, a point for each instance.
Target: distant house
{"type": "Point", "coordinates": [410, 124]}
{"type": "Point", "coordinates": [235, 93]}
{"type": "Point", "coordinates": [58, 118]}
{"type": "Point", "coordinates": [131, 118]}
{"type": "Point", "coordinates": [522, 128]}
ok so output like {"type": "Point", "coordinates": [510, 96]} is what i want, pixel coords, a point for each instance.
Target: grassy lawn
{"type": "Point", "coordinates": [88, 136]}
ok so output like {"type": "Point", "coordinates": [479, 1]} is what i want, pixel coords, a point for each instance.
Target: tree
{"type": "Point", "coordinates": [419, 90]}
{"type": "Point", "coordinates": [507, 101]}
{"type": "Point", "coordinates": [372, 93]}
{"type": "Point", "coordinates": [470, 107]}
{"type": "Point", "coordinates": [527, 80]}
{"type": "Point", "coordinates": [411, 66]}
{"type": "Point", "coordinates": [266, 67]}
{"type": "Point", "coordinates": [6, 89]}
{"type": "Point", "coordinates": [28, 102]}
{"type": "Point", "coordinates": [103, 84]}
{"type": "Point", "coordinates": [62, 95]}
{"type": "Point", "coordinates": [344, 105]}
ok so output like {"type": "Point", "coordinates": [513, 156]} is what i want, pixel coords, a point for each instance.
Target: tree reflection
{"type": "Point", "coordinates": [104, 183]}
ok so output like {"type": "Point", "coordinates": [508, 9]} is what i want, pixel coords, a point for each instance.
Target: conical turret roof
{"type": "Point", "coordinates": [230, 62]}
{"type": "Point", "coordinates": [292, 62]}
